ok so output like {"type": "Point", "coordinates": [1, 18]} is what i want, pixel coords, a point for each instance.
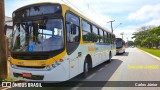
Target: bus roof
{"type": "Point", "coordinates": [120, 39]}
{"type": "Point", "coordinates": [71, 9]}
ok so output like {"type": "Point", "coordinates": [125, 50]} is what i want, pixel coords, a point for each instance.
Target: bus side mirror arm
{"type": "Point", "coordinates": [5, 29]}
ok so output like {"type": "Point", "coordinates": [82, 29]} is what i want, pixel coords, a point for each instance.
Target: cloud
{"type": "Point", "coordinates": [155, 22]}
{"type": "Point", "coordinates": [110, 6]}
{"type": "Point", "coordinates": [117, 6]}
{"type": "Point", "coordinates": [147, 12]}
{"type": "Point", "coordinates": [128, 31]}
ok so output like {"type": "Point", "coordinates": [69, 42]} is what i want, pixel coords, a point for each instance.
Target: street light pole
{"type": "Point", "coordinates": [111, 24]}
{"type": "Point", "coordinates": [3, 51]}
{"type": "Point", "coordinates": [118, 25]}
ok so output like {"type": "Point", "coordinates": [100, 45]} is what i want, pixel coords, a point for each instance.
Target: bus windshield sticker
{"type": "Point", "coordinates": [31, 48]}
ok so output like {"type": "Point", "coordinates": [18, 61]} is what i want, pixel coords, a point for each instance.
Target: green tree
{"type": "Point", "coordinates": [130, 43]}
{"type": "Point", "coordinates": [147, 37]}
{"type": "Point", "coordinates": [140, 36]}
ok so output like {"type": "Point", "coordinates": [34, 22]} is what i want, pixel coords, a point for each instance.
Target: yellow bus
{"type": "Point", "coordinates": [53, 42]}
{"type": "Point", "coordinates": [120, 46]}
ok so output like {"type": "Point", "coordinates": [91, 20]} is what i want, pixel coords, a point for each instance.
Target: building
{"type": "Point", "coordinates": [8, 22]}
{"type": "Point", "coordinates": [9, 29]}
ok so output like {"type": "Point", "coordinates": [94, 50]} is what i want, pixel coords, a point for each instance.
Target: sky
{"type": "Point", "coordinates": [133, 14]}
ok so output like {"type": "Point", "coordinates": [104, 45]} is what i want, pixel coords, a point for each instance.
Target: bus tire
{"type": "Point", "coordinates": [86, 68]}
{"type": "Point", "coordinates": [110, 56]}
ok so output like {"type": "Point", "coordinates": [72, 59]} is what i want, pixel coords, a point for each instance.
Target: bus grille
{"type": "Point", "coordinates": [30, 57]}
{"type": "Point", "coordinates": [36, 67]}
{"type": "Point", "coordinates": [118, 47]}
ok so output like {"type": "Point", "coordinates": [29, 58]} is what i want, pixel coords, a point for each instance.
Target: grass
{"type": "Point", "coordinates": [8, 79]}
{"type": "Point", "coordinates": [155, 52]}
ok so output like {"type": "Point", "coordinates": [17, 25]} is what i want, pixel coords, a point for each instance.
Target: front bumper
{"type": "Point", "coordinates": [57, 74]}
{"type": "Point", "coordinates": [119, 51]}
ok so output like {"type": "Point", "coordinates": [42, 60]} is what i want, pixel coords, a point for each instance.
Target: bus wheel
{"type": "Point", "coordinates": [86, 68]}
{"type": "Point", "coordinates": [110, 56]}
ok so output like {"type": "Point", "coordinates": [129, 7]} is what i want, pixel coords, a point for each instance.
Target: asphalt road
{"type": "Point", "coordinates": [134, 65]}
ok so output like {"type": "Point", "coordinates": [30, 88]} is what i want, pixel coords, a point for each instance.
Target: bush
{"type": "Point", "coordinates": [1, 80]}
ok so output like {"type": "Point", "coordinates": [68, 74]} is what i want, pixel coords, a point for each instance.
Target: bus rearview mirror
{"type": "Point", "coordinates": [73, 29]}
{"type": "Point", "coordinates": [42, 27]}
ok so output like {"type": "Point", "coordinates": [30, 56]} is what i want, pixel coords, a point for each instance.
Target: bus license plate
{"type": "Point", "coordinates": [27, 75]}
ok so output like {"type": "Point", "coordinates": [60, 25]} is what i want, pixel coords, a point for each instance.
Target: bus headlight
{"type": "Point", "coordinates": [48, 67]}
{"type": "Point", "coordinates": [12, 65]}
{"type": "Point", "coordinates": [53, 65]}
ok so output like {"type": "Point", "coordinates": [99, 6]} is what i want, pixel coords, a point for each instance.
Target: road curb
{"type": "Point", "coordinates": [150, 54]}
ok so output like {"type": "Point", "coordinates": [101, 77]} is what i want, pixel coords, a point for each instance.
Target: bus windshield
{"type": "Point", "coordinates": [38, 36]}
{"type": "Point", "coordinates": [119, 43]}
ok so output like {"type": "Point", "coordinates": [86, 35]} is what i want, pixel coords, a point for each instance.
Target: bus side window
{"type": "Point", "coordinates": [101, 39]}
{"type": "Point", "coordinates": [73, 32]}
{"type": "Point", "coordinates": [107, 36]}
{"type": "Point", "coordinates": [95, 34]}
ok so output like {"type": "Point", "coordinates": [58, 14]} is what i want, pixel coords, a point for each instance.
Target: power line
{"type": "Point", "coordinates": [73, 5]}
{"type": "Point", "coordinates": [88, 8]}
{"type": "Point", "coordinates": [94, 10]}
{"type": "Point", "coordinates": [64, 2]}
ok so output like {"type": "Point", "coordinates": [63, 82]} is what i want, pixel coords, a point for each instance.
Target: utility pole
{"type": "Point", "coordinates": [127, 43]}
{"type": "Point", "coordinates": [111, 24]}
{"type": "Point", "coordinates": [3, 51]}
{"type": "Point", "coordinates": [122, 34]}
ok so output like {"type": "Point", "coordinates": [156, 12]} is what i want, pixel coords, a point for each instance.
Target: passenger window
{"type": "Point", "coordinates": [87, 35]}
{"type": "Point", "coordinates": [101, 38]}
{"type": "Point", "coordinates": [107, 37]}
{"type": "Point", "coordinates": [95, 34]}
